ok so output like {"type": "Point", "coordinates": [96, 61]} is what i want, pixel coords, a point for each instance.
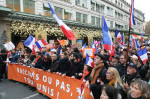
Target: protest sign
{"type": "Point", "coordinates": [49, 84]}
{"type": "Point", "coordinates": [89, 51]}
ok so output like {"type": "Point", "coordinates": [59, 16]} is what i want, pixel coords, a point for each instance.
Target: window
{"type": "Point", "coordinates": [29, 6]}
{"type": "Point", "coordinates": [58, 12]}
{"type": "Point", "coordinates": [67, 14]}
{"type": "Point", "coordinates": [97, 21]}
{"type": "Point", "coordinates": [92, 6]}
{"type": "Point", "coordinates": [84, 3]}
{"type": "Point", "coordinates": [14, 4]}
{"type": "Point", "coordinates": [84, 18]}
{"type": "Point", "coordinates": [109, 11]}
{"type": "Point", "coordinates": [110, 24]}
{"type": "Point", "coordinates": [102, 9]}
{"type": "Point", "coordinates": [47, 12]}
{"type": "Point", "coordinates": [78, 17]}
{"type": "Point", "coordinates": [81, 17]}
{"type": "Point", "coordinates": [77, 2]}
{"type": "Point", "coordinates": [97, 8]}
{"type": "Point", "coordinates": [66, 0]}
{"type": "Point", "coordinates": [92, 20]}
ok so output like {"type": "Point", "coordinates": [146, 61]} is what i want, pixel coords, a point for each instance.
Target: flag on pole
{"type": "Point", "coordinates": [132, 21]}
{"type": "Point", "coordinates": [59, 49]}
{"type": "Point", "coordinates": [143, 55]}
{"type": "Point", "coordinates": [107, 40]}
{"type": "Point", "coordinates": [89, 61]}
{"type": "Point", "coordinates": [29, 42]}
{"type": "Point", "coordinates": [66, 30]}
{"type": "Point", "coordinates": [62, 42]}
{"type": "Point", "coordinates": [116, 32]}
{"type": "Point", "coordinates": [137, 45]}
{"type": "Point", "coordinates": [40, 43]}
{"type": "Point", "coordinates": [84, 46]}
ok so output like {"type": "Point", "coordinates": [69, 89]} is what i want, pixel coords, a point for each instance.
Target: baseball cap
{"type": "Point", "coordinates": [132, 65]}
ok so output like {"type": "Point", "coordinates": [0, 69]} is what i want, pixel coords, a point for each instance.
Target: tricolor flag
{"type": "Point", "coordinates": [66, 30]}
{"type": "Point", "coordinates": [119, 36]}
{"type": "Point", "coordinates": [116, 32]}
{"type": "Point", "coordinates": [29, 42]}
{"type": "Point", "coordinates": [40, 43]}
{"type": "Point", "coordinates": [84, 46]}
{"type": "Point", "coordinates": [137, 45]}
{"type": "Point", "coordinates": [143, 55]}
{"type": "Point", "coordinates": [142, 38]}
{"type": "Point", "coordinates": [107, 40]}
{"type": "Point", "coordinates": [89, 61]}
{"type": "Point", "coordinates": [132, 22]}
{"type": "Point", "coordinates": [59, 49]}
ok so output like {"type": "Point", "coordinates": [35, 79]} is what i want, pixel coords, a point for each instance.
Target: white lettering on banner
{"type": "Point", "coordinates": [45, 89]}
{"type": "Point", "coordinates": [57, 82]}
{"type": "Point", "coordinates": [68, 88]}
{"type": "Point", "coordinates": [47, 79]}
{"type": "Point", "coordinates": [25, 72]}
{"type": "Point", "coordinates": [57, 95]}
{"type": "Point", "coordinates": [37, 76]}
{"type": "Point", "coordinates": [62, 86]}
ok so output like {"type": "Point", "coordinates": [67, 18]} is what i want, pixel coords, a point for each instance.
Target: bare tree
{"type": "Point", "coordinates": [147, 28]}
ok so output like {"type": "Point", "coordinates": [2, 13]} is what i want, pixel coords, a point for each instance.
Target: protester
{"type": "Point", "coordinates": [76, 65]}
{"type": "Point", "coordinates": [54, 64]}
{"type": "Point", "coordinates": [46, 61]}
{"type": "Point", "coordinates": [122, 66]}
{"type": "Point", "coordinates": [86, 73]}
{"type": "Point", "coordinates": [38, 61]}
{"type": "Point", "coordinates": [97, 76]}
{"type": "Point", "coordinates": [26, 60]}
{"type": "Point", "coordinates": [64, 67]}
{"type": "Point", "coordinates": [132, 75]}
{"type": "Point", "coordinates": [21, 58]}
{"type": "Point", "coordinates": [114, 79]}
{"type": "Point", "coordinates": [110, 92]}
{"type": "Point", "coordinates": [115, 60]}
{"type": "Point", "coordinates": [14, 56]}
{"type": "Point", "coordinates": [139, 90]}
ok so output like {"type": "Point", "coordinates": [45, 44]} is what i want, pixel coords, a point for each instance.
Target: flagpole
{"type": "Point", "coordinates": [128, 42]}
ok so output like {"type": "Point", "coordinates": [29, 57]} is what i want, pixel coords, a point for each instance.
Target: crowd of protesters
{"type": "Point", "coordinates": [116, 78]}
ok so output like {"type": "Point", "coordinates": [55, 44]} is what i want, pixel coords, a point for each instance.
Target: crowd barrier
{"type": "Point", "coordinates": [50, 84]}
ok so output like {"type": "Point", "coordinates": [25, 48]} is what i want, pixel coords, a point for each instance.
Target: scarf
{"type": "Point", "coordinates": [85, 73]}
{"type": "Point", "coordinates": [95, 69]}
{"type": "Point", "coordinates": [111, 82]}
{"type": "Point", "coordinates": [37, 59]}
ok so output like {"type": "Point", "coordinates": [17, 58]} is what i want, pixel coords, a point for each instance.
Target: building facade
{"type": "Point", "coordinates": [21, 18]}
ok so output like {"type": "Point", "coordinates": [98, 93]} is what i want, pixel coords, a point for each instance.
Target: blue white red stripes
{"type": "Point", "coordinates": [89, 61]}
{"type": "Point", "coordinates": [132, 21]}
{"type": "Point", "coordinates": [143, 55]}
{"type": "Point", "coordinates": [66, 30]}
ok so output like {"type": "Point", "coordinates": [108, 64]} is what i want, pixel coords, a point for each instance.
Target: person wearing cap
{"type": "Point", "coordinates": [132, 75]}
{"type": "Point", "coordinates": [97, 77]}
{"type": "Point", "coordinates": [53, 51]}
{"type": "Point", "coordinates": [14, 56]}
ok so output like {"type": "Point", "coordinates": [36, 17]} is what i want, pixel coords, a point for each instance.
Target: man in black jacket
{"type": "Point", "coordinates": [64, 67]}
{"type": "Point", "coordinates": [54, 64]}
{"type": "Point", "coordinates": [76, 65]}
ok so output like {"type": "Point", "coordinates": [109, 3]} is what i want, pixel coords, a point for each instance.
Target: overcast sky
{"type": "Point", "coordinates": [144, 6]}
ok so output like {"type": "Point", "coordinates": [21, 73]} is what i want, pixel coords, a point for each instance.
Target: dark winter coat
{"type": "Point", "coordinates": [54, 66]}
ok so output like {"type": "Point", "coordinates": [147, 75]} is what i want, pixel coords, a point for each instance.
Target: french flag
{"type": "Point", "coordinates": [40, 43]}
{"type": "Point", "coordinates": [117, 34]}
{"type": "Point", "coordinates": [89, 61]}
{"type": "Point", "coordinates": [142, 38]}
{"type": "Point", "coordinates": [59, 49]}
{"type": "Point", "coordinates": [137, 44]}
{"type": "Point", "coordinates": [29, 42]}
{"type": "Point", "coordinates": [66, 30]}
{"type": "Point", "coordinates": [132, 21]}
{"type": "Point", "coordinates": [107, 40]}
{"type": "Point", "coordinates": [143, 55]}
{"type": "Point", "coordinates": [84, 46]}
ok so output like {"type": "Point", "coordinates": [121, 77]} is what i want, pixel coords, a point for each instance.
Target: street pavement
{"type": "Point", "coordinates": [15, 90]}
